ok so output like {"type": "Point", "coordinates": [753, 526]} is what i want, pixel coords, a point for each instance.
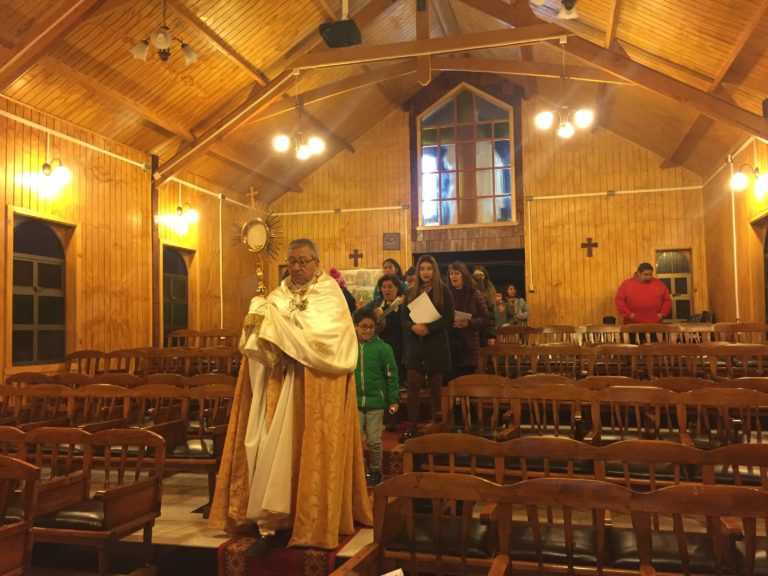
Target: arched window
{"type": "Point", "coordinates": [39, 295]}
{"type": "Point", "coordinates": [466, 161]}
{"type": "Point", "coordinates": [175, 292]}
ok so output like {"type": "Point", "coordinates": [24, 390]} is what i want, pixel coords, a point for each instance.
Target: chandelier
{"type": "Point", "coordinates": [304, 146]}
{"type": "Point", "coordinates": [162, 39]}
{"type": "Point", "coordinates": [568, 119]}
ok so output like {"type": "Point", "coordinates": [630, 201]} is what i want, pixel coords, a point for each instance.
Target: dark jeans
{"type": "Point", "coordinates": [415, 381]}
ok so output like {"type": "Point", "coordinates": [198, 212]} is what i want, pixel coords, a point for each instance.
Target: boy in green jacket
{"type": "Point", "coordinates": [377, 386]}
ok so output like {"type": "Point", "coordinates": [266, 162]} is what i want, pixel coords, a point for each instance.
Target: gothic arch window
{"type": "Point", "coordinates": [39, 295]}
{"type": "Point", "coordinates": [466, 161]}
{"type": "Point", "coordinates": [175, 292]}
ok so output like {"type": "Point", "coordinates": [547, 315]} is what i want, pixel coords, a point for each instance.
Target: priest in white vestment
{"type": "Point", "coordinates": [293, 456]}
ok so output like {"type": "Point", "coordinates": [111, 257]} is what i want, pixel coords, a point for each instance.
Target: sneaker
{"type": "Point", "coordinates": [410, 433]}
{"type": "Point", "coordinates": [374, 478]}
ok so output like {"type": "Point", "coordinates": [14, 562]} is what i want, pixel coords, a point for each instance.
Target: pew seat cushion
{"type": "Point", "coordinates": [480, 543]}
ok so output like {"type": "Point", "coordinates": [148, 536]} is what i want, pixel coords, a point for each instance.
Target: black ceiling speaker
{"type": "Point", "coordinates": [340, 33]}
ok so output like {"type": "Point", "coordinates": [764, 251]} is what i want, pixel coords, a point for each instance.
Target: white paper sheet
{"type": "Point", "coordinates": [459, 315]}
{"type": "Point", "coordinates": [422, 311]}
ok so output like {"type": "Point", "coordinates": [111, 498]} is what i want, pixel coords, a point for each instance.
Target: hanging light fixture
{"type": "Point", "coordinates": [304, 146]}
{"type": "Point", "coordinates": [162, 39]}
{"type": "Point", "coordinates": [568, 119]}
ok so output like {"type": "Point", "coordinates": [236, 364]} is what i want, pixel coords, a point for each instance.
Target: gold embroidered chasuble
{"type": "Point", "coordinates": [293, 455]}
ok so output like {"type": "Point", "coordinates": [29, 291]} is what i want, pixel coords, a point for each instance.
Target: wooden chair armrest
{"type": "Point", "coordinates": [685, 439]}
{"type": "Point", "coordinates": [59, 492]}
{"type": "Point", "coordinates": [487, 512]}
{"type": "Point", "coordinates": [363, 563]}
{"type": "Point", "coordinates": [507, 433]}
{"type": "Point", "coordinates": [174, 432]}
{"type": "Point", "coordinates": [731, 527]}
{"type": "Point", "coordinates": [63, 421]}
{"type": "Point", "coordinates": [646, 570]}
{"type": "Point", "coordinates": [126, 502]}
{"type": "Point", "coordinates": [106, 425]}
{"type": "Point", "coordinates": [500, 566]}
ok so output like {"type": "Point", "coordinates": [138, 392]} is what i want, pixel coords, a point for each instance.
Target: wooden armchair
{"type": "Point", "coordinates": [635, 412]}
{"type": "Point", "coordinates": [550, 410]}
{"type": "Point", "coordinates": [130, 467]}
{"type": "Point", "coordinates": [663, 359]}
{"type": "Point", "coordinates": [714, 417]}
{"type": "Point", "coordinates": [424, 522]}
{"type": "Point", "coordinates": [98, 407]}
{"type": "Point", "coordinates": [186, 338]}
{"type": "Point", "coordinates": [43, 405]}
{"type": "Point", "coordinates": [612, 360]}
{"type": "Point", "coordinates": [87, 362]}
{"type": "Point", "coordinates": [740, 332]}
{"type": "Point", "coordinates": [21, 379]}
{"type": "Point", "coordinates": [15, 532]}
{"type": "Point", "coordinates": [454, 453]}
{"type": "Point", "coordinates": [699, 529]}
{"type": "Point", "coordinates": [219, 337]}
{"type": "Point", "coordinates": [481, 401]}
{"type": "Point", "coordinates": [563, 358]}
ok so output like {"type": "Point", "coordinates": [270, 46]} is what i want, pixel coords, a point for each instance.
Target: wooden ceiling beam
{"type": "Point", "coordinates": [647, 78]}
{"type": "Point", "coordinates": [472, 41]}
{"type": "Point", "coordinates": [610, 30]}
{"type": "Point", "coordinates": [423, 66]}
{"type": "Point", "coordinates": [446, 17]}
{"type": "Point", "coordinates": [521, 68]}
{"type": "Point", "coordinates": [259, 98]}
{"type": "Point", "coordinates": [223, 127]}
{"type": "Point", "coordinates": [217, 41]}
{"type": "Point", "coordinates": [698, 129]}
{"type": "Point", "coordinates": [737, 47]}
{"type": "Point", "coordinates": [59, 22]}
{"type": "Point", "coordinates": [336, 88]}
{"type": "Point", "coordinates": [327, 132]}
{"type": "Point", "coordinates": [223, 152]}
{"type": "Point", "coordinates": [107, 94]}
{"type": "Point", "coordinates": [327, 9]}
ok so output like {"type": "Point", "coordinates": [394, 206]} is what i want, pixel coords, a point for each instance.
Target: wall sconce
{"type": "Point", "coordinates": [740, 180]}
{"type": "Point", "coordinates": [180, 220]}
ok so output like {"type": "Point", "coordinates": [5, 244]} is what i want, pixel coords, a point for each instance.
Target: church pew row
{"type": "Point", "coordinates": [426, 522]}
{"type": "Point", "coordinates": [94, 488]}
{"type": "Point", "coordinates": [692, 333]}
{"type": "Point", "coordinates": [193, 421]}
{"type": "Point", "coordinates": [714, 361]}
{"type": "Point", "coordinates": [500, 409]}
{"type": "Point", "coordinates": [638, 464]}
{"type": "Point", "coordinates": [185, 360]}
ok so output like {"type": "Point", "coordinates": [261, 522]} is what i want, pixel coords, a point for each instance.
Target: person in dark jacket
{"type": "Point", "coordinates": [464, 335]}
{"type": "Point", "coordinates": [377, 387]}
{"type": "Point", "coordinates": [351, 302]}
{"type": "Point", "coordinates": [427, 352]}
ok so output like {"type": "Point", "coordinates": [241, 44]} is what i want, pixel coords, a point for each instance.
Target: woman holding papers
{"type": "Point", "coordinates": [426, 318]}
{"type": "Point", "coordinates": [470, 320]}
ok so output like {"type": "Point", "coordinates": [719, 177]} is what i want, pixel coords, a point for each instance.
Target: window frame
{"type": "Point", "coordinates": [450, 94]}
{"type": "Point", "coordinates": [68, 235]}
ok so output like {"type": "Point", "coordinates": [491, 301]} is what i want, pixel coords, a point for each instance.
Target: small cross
{"type": "Point", "coordinates": [589, 245]}
{"type": "Point", "coordinates": [252, 195]}
{"type": "Point", "coordinates": [355, 255]}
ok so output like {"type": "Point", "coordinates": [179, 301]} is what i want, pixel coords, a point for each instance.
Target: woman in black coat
{"type": "Point", "coordinates": [427, 352]}
{"type": "Point", "coordinates": [464, 335]}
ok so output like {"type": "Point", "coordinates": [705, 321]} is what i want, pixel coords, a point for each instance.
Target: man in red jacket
{"type": "Point", "coordinates": [642, 298]}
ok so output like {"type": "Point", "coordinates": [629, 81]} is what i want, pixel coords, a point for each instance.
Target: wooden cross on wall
{"type": "Point", "coordinates": [355, 255]}
{"type": "Point", "coordinates": [589, 245]}
{"type": "Point", "coordinates": [252, 195]}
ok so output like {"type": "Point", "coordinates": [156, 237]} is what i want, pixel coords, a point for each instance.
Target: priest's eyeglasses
{"type": "Point", "coordinates": [301, 262]}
